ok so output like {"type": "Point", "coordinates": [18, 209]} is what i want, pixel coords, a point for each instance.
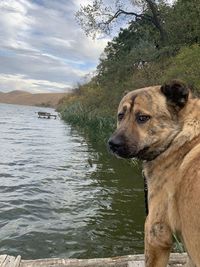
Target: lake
{"type": "Point", "coordinates": [62, 194]}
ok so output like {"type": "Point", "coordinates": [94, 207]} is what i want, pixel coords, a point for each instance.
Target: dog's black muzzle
{"type": "Point", "coordinates": [117, 145]}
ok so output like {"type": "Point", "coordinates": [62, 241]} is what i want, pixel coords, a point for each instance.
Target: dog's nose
{"type": "Point", "coordinates": [115, 143]}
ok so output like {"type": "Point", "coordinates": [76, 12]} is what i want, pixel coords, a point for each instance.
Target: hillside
{"type": "Point", "coordinates": [141, 55]}
{"type": "Point", "coordinates": [26, 98]}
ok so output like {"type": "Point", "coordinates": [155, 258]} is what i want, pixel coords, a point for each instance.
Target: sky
{"type": "Point", "coordinates": [42, 48]}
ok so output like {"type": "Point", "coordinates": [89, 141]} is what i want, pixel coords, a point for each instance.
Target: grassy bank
{"type": "Point", "coordinates": [80, 116]}
{"type": "Point", "coordinates": [93, 106]}
{"type": "Point", "coordinates": [143, 54]}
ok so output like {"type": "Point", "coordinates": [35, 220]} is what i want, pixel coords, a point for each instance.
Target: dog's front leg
{"type": "Point", "coordinates": [158, 242]}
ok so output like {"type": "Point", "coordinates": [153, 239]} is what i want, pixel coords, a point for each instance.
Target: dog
{"type": "Point", "coordinates": [160, 125]}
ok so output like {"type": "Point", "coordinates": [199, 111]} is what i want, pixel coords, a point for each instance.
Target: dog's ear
{"type": "Point", "coordinates": [176, 92]}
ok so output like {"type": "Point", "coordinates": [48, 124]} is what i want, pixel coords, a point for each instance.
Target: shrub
{"type": "Point", "coordinates": [185, 66]}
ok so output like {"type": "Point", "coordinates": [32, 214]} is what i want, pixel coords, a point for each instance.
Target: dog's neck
{"type": "Point", "coordinates": [186, 139]}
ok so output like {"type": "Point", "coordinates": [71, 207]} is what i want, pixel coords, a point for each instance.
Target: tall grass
{"type": "Point", "coordinates": [87, 118]}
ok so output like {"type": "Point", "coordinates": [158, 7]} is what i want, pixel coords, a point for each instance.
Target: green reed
{"type": "Point", "coordinates": [88, 119]}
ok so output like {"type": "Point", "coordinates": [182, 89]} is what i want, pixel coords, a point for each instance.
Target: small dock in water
{"type": "Point", "coordinates": [46, 115]}
{"type": "Point", "coordinates": [176, 260]}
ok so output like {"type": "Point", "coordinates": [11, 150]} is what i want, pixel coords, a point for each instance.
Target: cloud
{"type": "Point", "coordinates": [21, 82]}
{"type": "Point", "coordinates": [42, 47]}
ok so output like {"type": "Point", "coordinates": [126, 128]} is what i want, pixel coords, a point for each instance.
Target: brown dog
{"type": "Point", "coordinates": [161, 126]}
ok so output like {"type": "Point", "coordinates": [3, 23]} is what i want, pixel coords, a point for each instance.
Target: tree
{"type": "Point", "coordinates": [99, 18]}
{"type": "Point", "coordinates": [182, 23]}
{"type": "Point", "coordinates": [130, 50]}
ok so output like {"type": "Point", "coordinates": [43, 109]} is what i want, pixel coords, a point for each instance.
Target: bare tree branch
{"type": "Point", "coordinates": [120, 12]}
{"type": "Point", "coordinates": [99, 18]}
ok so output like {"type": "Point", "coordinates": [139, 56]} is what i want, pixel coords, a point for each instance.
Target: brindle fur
{"type": "Point", "coordinates": [169, 145]}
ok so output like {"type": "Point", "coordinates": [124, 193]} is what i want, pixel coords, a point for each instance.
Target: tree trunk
{"type": "Point", "coordinates": [156, 20]}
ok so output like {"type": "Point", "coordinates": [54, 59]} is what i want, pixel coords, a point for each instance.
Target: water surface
{"type": "Point", "coordinates": [62, 195]}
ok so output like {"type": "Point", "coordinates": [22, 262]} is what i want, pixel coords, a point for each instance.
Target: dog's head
{"type": "Point", "coordinates": [148, 120]}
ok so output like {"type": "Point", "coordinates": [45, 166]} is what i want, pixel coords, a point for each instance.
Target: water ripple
{"type": "Point", "coordinates": [59, 197]}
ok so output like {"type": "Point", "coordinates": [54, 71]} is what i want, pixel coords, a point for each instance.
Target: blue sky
{"type": "Point", "coordinates": [42, 47]}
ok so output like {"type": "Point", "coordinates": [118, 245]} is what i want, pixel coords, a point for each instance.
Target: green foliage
{"type": "Point", "coordinates": [78, 115]}
{"type": "Point", "coordinates": [136, 58]}
{"type": "Point", "coordinates": [186, 66]}
{"type": "Point", "coordinates": [182, 23]}
{"type": "Point", "coordinates": [89, 108]}
{"type": "Point", "coordinates": [125, 54]}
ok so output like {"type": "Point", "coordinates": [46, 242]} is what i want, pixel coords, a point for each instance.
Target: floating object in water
{"type": "Point", "coordinates": [46, 115]}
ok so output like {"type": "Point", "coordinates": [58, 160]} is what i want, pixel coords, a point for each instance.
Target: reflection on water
{"type": "Point", "coordinates": [61, 196]}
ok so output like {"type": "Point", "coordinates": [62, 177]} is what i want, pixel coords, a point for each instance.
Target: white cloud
{"type": "Point", "coordinates": [21, 82]}
{"type": "Point", "coordinates": [42, 47]}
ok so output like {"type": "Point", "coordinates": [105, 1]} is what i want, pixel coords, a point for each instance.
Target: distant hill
{"type": "Point", "coordinates": [17, 92]}
{"type": "Point", "coordinates": [26, 98]}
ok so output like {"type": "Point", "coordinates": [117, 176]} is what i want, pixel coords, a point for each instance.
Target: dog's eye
{"type": "Point", "coordinates": [120, 116]}
{"type": "Point", "coordinates": [142, 118]}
